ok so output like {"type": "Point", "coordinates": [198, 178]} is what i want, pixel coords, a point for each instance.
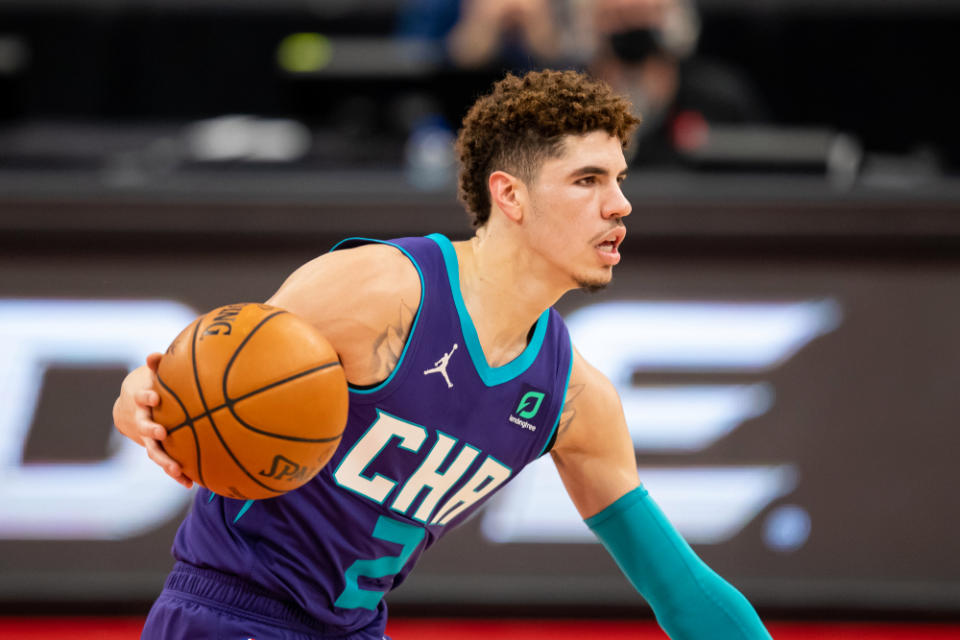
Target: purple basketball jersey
{"type": "Point", "coordinates": [421, 452]}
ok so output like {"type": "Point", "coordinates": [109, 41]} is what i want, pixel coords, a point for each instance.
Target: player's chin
{"type": "Point", "coordinates": [596, 281]}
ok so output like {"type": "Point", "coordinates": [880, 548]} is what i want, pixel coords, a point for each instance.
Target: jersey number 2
{"type": "Point", "coordinates": [406, 535]}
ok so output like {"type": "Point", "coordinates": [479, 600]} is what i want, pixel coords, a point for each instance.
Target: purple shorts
{"type": "Point", "coordinates": [202, 604]}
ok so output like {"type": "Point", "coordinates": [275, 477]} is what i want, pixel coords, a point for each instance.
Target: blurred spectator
{"type": "Point", "coordinates": [478, 37]}
{"type": "Point", "coordinates": [516, 35]}
{"type": "Point", "coordinates": [644, 49]}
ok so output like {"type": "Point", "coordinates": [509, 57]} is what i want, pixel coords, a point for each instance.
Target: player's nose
{"type": "Point", "coordinates": [616, 203]}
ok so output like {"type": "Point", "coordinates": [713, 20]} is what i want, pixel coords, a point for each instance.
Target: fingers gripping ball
{"type": "Point", "coordinates": [254, 401]}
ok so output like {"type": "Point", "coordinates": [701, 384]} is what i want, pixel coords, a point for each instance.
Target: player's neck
{"type": "Point", "coordinates": [502, 298]}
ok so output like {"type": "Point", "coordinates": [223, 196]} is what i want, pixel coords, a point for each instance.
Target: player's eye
{"type": "Point", "coordinates": [587, 180]}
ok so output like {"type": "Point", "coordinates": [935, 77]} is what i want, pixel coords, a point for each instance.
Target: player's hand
{"type": "Point", "coordinates": [133, 416]}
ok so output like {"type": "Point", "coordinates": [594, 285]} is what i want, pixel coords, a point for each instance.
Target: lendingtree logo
{"type": "Point", "coordinates": [529, 404]}
{"type": "Point", "coordinates": [653, 351]}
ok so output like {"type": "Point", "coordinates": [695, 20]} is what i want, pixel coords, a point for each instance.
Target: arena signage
{"type": "Point", "coordinates": [117, 497]}
{"type": "Point", "coordinates": [636, 342]}
{"type": "Point", "coordinates": [624, 339]}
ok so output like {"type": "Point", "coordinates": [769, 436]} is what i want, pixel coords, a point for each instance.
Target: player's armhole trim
{"type": "Point", "coordinates": [552, 440]}
{"type": "Point", "coordinates": [491, 376]}
{"type": "Point", "coordinates": [359, 241]}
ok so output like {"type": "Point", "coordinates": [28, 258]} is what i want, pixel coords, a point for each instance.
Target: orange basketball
{"type": "Point", "coordinates": [253, 399]}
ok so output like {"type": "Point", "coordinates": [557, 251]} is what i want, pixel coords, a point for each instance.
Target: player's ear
{"type": "Point", "coordinates": [507, 194]}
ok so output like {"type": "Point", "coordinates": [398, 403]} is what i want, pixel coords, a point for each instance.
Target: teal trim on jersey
{"type": "Point", "coordinates": [212, 496]}
{"type": "Point", "coordinates": [448, 460]}
{"type": "Point", "coordinates": [566, 387]}
{"type": "Point", "coordinates": [490, 376]}
{"type": "Point", "coordinates": [443, 512]}
{"type": "Point", "coordinates": [502, 464]}
{"type": "Point", "coordinates": [419, 466]}
{"type": "Point", "coordinates": [409, 536]}
{"type": "Point", "coordinates": [416, 318]}
{"type": "Point", "coordinates": [246, 507]}
{"type": "Point", "coordinates": [380, 413]}
{"type": "Point", "coordinates": [689, 600]}
{"type": "Point", "coordinates": [441, 503]}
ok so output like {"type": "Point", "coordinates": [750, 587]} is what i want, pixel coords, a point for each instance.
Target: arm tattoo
{"type": "Point", "coordinates": [569, 410]}
{"type": "Point", "coordinates": [388, 346]}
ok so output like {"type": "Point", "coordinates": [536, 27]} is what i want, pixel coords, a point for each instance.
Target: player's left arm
{"type": "Point", "coordinates": [595, 457]}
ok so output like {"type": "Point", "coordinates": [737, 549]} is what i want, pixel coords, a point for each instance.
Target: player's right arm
{"type": "Point", "coordinates": [362, 300]}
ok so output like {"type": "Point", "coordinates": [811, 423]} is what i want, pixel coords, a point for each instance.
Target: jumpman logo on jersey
{"type": "Point", "coordinates": [440, 366]}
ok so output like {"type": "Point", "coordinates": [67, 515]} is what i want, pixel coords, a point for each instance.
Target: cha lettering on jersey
{"type": "Point", "coordinates": [442, 501]}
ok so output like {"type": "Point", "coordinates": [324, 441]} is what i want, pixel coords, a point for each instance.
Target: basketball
{"type": "Point", "coordinates": [253, 399]}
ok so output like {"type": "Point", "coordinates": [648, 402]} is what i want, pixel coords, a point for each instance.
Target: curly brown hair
{"type": "Point", "coordinates": [523, 121]}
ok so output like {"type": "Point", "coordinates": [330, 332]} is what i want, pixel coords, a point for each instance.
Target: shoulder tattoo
{"type": "Point", "coordinates": [569, 409]}
{"type": "Point", "coordinates": [388, 346]}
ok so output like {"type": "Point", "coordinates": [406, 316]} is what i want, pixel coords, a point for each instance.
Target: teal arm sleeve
{"type": "Point", "coordinates": [690, 601]}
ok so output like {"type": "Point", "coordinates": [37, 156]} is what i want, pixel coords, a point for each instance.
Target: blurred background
{"type": "Point", "coordinates": [786, 314]}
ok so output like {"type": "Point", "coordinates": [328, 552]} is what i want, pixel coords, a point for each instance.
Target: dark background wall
{"type": "Point", "coordinates": [99, 203]}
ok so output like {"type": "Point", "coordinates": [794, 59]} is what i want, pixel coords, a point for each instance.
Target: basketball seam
{"type": "Point", "coordinates": [243, 343]}
{"type": "Point", "coordinates": [213, 425]}
{"type": "Point", "coordinates": [229, 402]}
{"type": "Point", "coordinates": [232, 401]}
{"type": "Point", "coordinates": [189, 423]}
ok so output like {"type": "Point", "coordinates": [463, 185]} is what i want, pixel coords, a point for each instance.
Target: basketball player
{"type": "Point", "coordinates": [461, 373]}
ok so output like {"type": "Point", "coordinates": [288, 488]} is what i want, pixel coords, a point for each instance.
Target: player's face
{"type": "Point", "coordinates": [577, 209]}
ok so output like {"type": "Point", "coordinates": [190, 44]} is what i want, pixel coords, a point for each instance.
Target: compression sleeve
{"type": "Point", "coordinates": [690, 601]}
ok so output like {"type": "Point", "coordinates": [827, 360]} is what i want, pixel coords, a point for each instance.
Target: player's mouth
{"type": "Point", "coordinates": [608, 245]}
